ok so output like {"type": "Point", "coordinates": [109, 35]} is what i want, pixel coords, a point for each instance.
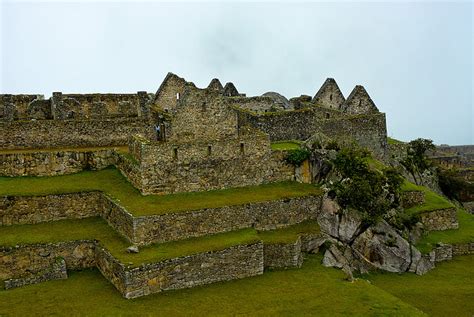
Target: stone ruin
{"type": "Point", "coordinates": [188, 139]}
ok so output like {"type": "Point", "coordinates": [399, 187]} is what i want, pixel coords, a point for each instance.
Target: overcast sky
{"type": "Point", "coordinates": [414, 58]}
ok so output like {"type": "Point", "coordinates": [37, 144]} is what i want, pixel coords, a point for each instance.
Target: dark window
{"type": "Point", "coordinates": [209, 150]}
{"type": "Point", "coordinates": [175, 153]}
{"type": "Point", "coordinates": [327, 115]}
{"type": "Point", "coordinates": [330, 97]}
{"type": "Point", "coordinates": [242, 149]}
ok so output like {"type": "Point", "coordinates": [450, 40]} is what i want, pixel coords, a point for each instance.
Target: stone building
{"type": "Point", "coordinates": [183, 138]}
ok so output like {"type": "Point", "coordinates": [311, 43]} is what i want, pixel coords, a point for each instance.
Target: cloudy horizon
{"type": "Point", "coordinates": [414, 58]}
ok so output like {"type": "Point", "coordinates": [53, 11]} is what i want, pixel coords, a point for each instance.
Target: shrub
{"type": "Point", "coordinates": [373, 193]}
{"type": "Point", "coordinates": [297, 157]}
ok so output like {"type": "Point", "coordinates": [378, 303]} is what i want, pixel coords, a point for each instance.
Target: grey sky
{"type": "Point", "coordinates": [414, 59]}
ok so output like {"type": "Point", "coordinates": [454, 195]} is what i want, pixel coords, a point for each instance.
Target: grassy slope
{"type": "Point", "coordinates": [447, 290]}
{"type": "Point", "coordinates": [97, 228]}
{"type": "Point", "coordinates": [432, 202]}
{"type": "Point", "coordinates": [115, 185]}
{"type": "Point", "coordinates": [464, 234]}
{"type": "Point", "coordinates": [311, 290]}
{"type": "Point", "coordinates": [285, 145]}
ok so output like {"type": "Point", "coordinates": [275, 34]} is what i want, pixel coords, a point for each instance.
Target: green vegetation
{"type": "Point", "coordinates": [464, 234]}
{"type": "Point", "coordinates": [297, 157]}
{"type": "Point", "coordinates": [96, 228]}
{"type": "Point", "coordinates": [416, 162]}
{"type": "Point", "coordinates": [453, 184]}
{"type": "Point", "coordinates": [285, 145]}
{"type": "Point", "coordinates": [289, 234]}
{"type": "Point", "coordinates": [118, 188]}
{"type": "Point", "coordinates": [311, 290]}
{"type": "Point", "coordinates": [364, 189]}
{"type": "Point", "coordinates": [445, 291]}
{"type": "Point", "coordinates": [394, 141]}
{"type": "Point", "coordinates": [432, 202]}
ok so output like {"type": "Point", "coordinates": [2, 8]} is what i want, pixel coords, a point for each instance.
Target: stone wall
{"type": "Point", "coordinates": [283, 255]}
{"type": "Point", "coordinates": [117, 217]}
{"type": "Point", "coordinates": [35, 209]}
{"type": "Point", "coordinates": [73, 106]}
{"type": "Point", "coordinates": [57, 271]}
{"type": "Point", "coordinates": [14, 107]}
{"type": "Point", "coordinates": [50, 163]}
{"type": "Point", "coordinates": [412, 198]}
{"type": "Point", "coordinates": [442, 219]}
{"type": "Point", "coordinates": [70, 133]}
{"type": "Point", "coordinates": [463, 248]}
{"type": "Point", "coordinates": [26, 261]}
{"type": "Point", "coordinates": [236, 262]}
{"type": "Point", "coordinates": [368, 130]}
{"type": "Point", "coordinates": [169, 167]}
{"type": "Point", "coordinates": [263, 216]}
{"type": "Point", "coordinates": [158, 228]}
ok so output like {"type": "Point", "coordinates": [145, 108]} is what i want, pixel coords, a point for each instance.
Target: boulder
{"type": "Point", "coordinates": [349, 225]}
{"type": "Point", "coordinates": [133, 249]}
{"type": "Point", "coordinates": [328, 218]}
{"type": "Point", "coordinates": [384, 248]}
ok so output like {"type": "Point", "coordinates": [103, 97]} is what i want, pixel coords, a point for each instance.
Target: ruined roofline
{"type": "Point", "coordinates": [359, 101]}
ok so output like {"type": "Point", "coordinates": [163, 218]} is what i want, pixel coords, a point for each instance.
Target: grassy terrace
{"type": "Point", "coordinates": [433, 201]}
{"type": "Point", "coordinates": [97, 228]}
{"type": "Point", "coordinates": [311, 290]}
{"type": "Point", "coordinates": [116, 186]}
{"type": "Point", "coordinates": [285, 145]}
{"type": "Point", "coordinates": [464, 234]}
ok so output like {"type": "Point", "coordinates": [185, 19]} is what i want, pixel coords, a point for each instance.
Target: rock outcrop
{"type": "Point", "coordinates": [355, 246]}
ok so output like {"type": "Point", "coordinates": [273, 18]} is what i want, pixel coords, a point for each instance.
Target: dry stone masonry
{"type": "Point", "coordinates": [187, 139]}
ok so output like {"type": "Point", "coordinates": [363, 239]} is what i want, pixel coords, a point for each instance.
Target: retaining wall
{"type": "Point", "coordinates": [442, 219]}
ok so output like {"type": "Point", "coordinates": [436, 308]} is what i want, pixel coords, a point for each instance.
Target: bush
{"type": "Point", "coordinates": [297, 157]}
{"type": "Point", "coordinates": [371, 192]}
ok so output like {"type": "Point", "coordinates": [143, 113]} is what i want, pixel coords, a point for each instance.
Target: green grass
{"type": "Point", "coordinates": [464, 234]}
{"type": "Point", "coordinates": [118, 188]}
{"type": "Point", "coordinates": [285, 145]}
{"type": "Point", "coordinates": [311, 290]}
{"type": "Point", "coordinates": [432, 202]}
{"type": "Point", "coordinates": [97, 228]}
{"type": "Point", "coordinates": [394, 141]}
{"type": "Point", "coordinates": [289, 234]}
{"type": "Point", "coordinates": [447, 290]}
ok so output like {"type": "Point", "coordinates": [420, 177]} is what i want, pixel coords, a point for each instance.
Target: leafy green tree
{"type": "Point", "coordinates": [371, 192]}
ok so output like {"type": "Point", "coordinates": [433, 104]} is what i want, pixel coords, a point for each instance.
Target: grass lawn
{"type": "Point", "coordinates": [309, 291]}
{"type": "Point", "coordinates": [432, 202]}
{"type": "Point", "coordinates": [448, 290]}
{"type": "Point", "coordinates": [285, 145]}
{"type": "Point", "coordinates": [96, 228]}
{"type": "Point", "coordinates": [116, 186]}
{"type": "Point", "coordinates": [464, 234]}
